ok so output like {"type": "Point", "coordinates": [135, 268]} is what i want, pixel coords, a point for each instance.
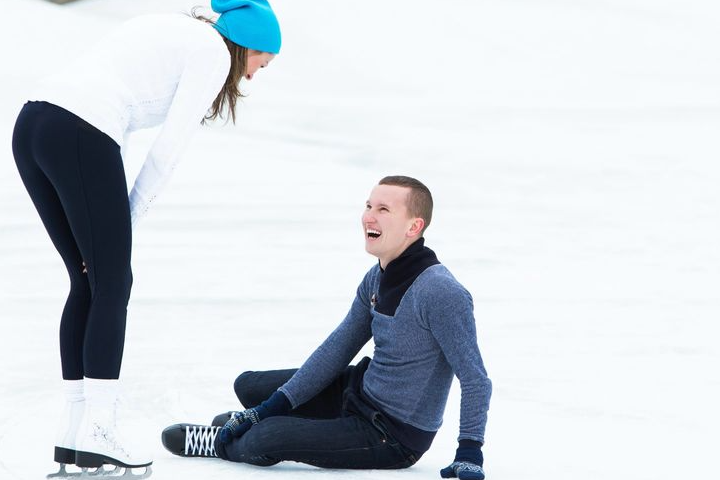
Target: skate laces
{"type": "Point", "coordinates": [108, 439]}
{"type": "Point", "coordinates": [200, 440]}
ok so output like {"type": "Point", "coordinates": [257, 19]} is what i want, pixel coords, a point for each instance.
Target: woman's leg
{"type": "Point", "coordinates": [48, 204]}
{"type": "Point", "coordinates": [84, 167]}
{"type": "Point", "coordinates": [105, 233]}
{"type": "Point", "coordinates": [74, 316]}
{"type": "Point", "coordinates": [85, 170]}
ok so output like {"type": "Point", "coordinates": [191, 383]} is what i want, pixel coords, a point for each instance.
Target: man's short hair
{"type": "Point", "coordinates": [419, 199]}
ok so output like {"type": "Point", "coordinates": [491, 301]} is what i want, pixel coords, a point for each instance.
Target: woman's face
{"type": "Point", "coordinates": [255, 61]}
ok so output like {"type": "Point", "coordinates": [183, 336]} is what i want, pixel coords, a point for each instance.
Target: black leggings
{"type": "Point", "coordinates": [75, 177]}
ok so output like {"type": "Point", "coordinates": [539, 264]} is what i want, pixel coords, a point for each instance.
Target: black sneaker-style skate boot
{"type": "Point", "coordinates": [188, 440]}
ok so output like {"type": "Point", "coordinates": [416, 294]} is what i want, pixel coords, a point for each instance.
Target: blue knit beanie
{"type": "Point", "coordinates": [249, 23]}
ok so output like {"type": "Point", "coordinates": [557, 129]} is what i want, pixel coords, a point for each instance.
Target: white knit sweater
{"type": "Point", "coordinates": [152, 70]}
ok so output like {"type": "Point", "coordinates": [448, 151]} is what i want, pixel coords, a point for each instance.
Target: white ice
{"type": "Point", "coordinates": [572, 148]}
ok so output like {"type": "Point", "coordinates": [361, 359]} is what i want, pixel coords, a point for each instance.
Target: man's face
{"type": "Point", "coordinates": [388, 227]}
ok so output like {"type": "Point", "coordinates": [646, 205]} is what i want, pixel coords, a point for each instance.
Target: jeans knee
{"type": "Point", "coordinates": [243, 389]}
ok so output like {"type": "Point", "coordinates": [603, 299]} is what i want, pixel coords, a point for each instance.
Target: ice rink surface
{"type": "Point", "coordinates": [572, 149]}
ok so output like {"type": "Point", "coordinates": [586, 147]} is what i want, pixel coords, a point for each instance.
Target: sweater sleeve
{"type": "Point", "coordinates": [202, 79]}
{"type": "Point", "coordinates": [336, 352]}
{"type": "Point", "coordinates": [452, 322]}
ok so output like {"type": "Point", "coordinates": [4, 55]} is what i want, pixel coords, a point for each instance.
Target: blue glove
{"type": "Point", "coordinates": [240, 422]}
{"type": "Point", "coordinates": [467, 464]}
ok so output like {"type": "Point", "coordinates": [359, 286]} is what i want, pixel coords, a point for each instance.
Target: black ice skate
{"type": "Point", "coordinates": [188, 440]}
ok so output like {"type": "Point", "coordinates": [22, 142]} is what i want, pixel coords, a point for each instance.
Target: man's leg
{"type": "Point", "coordinates": [348, 442]}
{"type": "Point", "coordinates": [252, 388]}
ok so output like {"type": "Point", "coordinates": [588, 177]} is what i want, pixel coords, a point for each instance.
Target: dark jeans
{"type": "Point", "coordinates": [335, 429]}
{"type": "Point", "coordinates": [75, 177]}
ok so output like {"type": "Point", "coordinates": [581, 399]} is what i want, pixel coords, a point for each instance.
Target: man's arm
{"type": "Point", "coordinates": [448, 311]}
{"type": "Point", "coordinates": [318, 371]}
{"type": "Point", "coordinates": [336, 352]}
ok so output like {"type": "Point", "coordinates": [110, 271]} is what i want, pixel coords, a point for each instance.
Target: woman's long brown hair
{"type": "Point", "coordinates": [230, 92]}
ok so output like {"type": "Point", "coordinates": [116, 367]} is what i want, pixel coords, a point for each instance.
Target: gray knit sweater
{"type": "Point", "coordinates": [431, 337]}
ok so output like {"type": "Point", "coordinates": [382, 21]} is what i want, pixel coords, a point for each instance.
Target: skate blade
{"type": "Point", "coordinates": [119, 469]}
{"type": "Point", "coordinates": [63, 473]}
{"type": "Point", "coordinates": [85, 473]}
{"type": "Point", "coordinates": [129, 474]}
{"type": "Point", "coordinates": [117, 472]}
{"type": "Point", "coordinates": [103, 472]}
{"type": "Point", "coordinates": [90, 472]}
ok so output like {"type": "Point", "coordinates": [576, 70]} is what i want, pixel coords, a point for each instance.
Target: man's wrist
{"type": "Point", "coordinates": [277, 404]}
{"type": "Point", "coordinates": [469, 451]}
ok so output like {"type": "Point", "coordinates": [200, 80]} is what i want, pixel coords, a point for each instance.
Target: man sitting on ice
{"type": "Point", "coordinates": [384, 412]}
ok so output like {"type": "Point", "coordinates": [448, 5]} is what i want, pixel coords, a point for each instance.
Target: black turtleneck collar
{"type": "Point", "coordinates": [401, 273]}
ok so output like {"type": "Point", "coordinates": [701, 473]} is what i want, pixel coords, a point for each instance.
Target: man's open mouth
{"type": "Point", "coordinates": [372, 233]}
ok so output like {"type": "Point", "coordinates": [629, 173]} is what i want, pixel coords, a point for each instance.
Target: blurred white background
{"type": "Point", "coordinates": [572, 150]}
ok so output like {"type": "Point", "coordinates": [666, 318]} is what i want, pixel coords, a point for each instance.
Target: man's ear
{"type": "Point", "coordinates": [416, 228]}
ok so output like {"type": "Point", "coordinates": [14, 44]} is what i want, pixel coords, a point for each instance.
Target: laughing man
{"type": "Point", "coordinates": [383, 412]}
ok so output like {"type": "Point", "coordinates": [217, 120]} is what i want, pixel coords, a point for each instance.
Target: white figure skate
{"type": "Point", "coordinates": [65, 441]}
{"type": "Point", "coordinates": [99, 441]}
